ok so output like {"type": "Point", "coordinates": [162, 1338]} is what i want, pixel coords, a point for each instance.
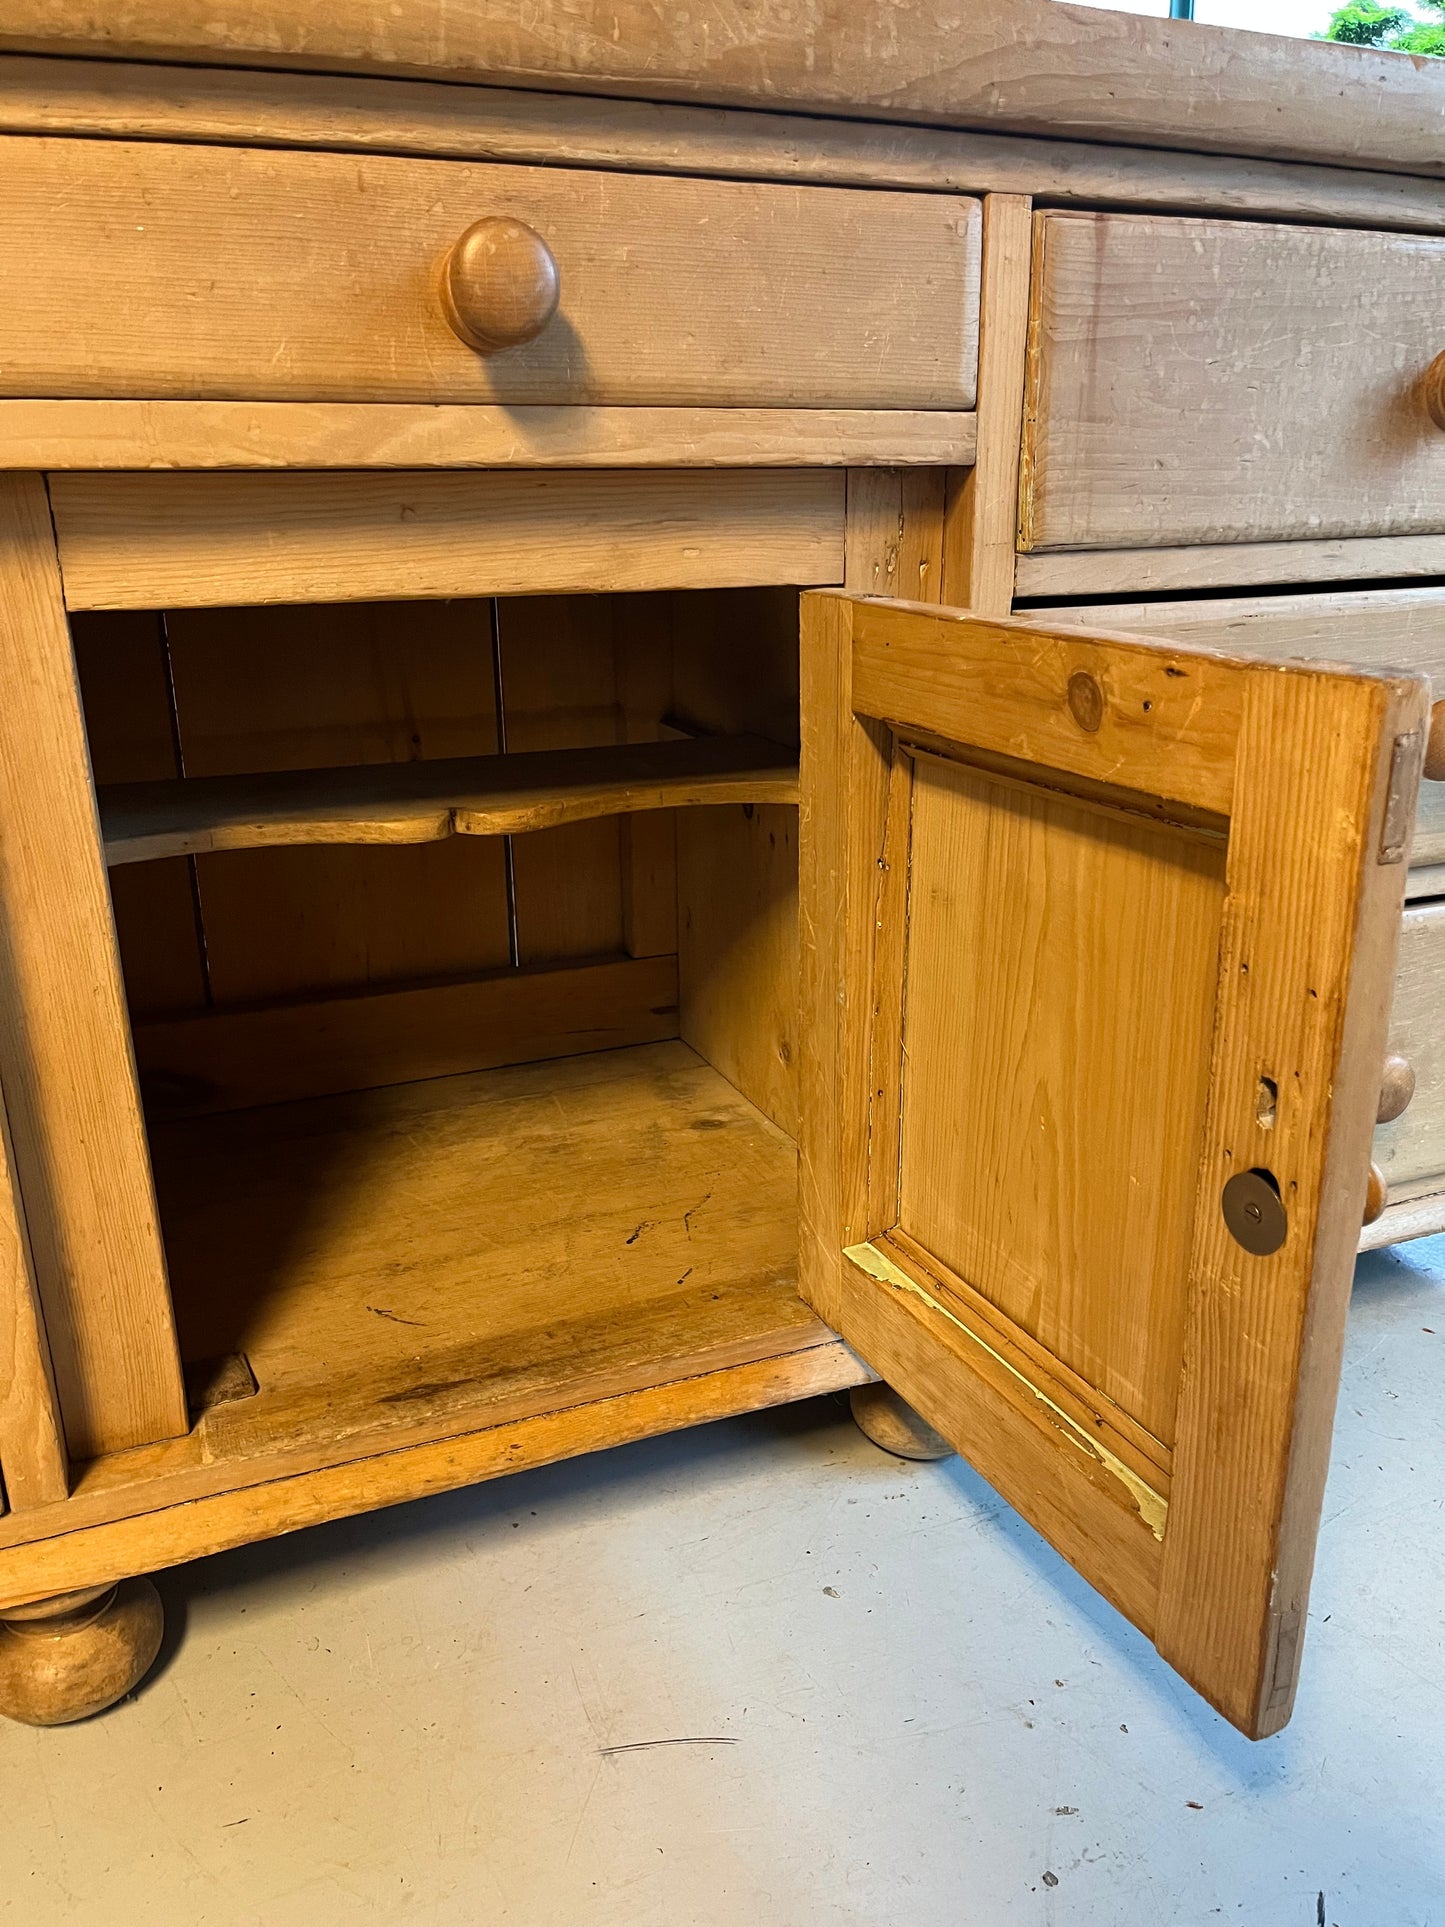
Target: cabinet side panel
{"type": "Point", "coordinates": [735, 670]}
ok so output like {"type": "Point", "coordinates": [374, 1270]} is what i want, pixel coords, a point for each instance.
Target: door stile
{"type": "Point", "coordinates": [1310, 1017]}
{"type": "Point", "coordinates": [889, 988]}
{"type": "Point", "coordinates": [842, 818]}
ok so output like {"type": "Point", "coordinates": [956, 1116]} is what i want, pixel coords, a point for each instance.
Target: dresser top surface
{"type": "Point", "coordinates": [1030, 66]}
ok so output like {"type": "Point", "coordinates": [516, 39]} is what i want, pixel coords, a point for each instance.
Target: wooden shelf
{"type": "Point", "coordinates": [425, 801]}
{"type": "Point", "coordinates": [435, 1257]}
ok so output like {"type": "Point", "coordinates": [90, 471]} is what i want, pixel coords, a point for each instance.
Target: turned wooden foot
{"type": "Point", "coordinates": [883, 1416]}
{"type": "Point", "coordinates": [65, 1658]}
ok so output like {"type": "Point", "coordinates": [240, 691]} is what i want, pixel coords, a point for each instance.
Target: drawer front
{"type": "Point", "coordinates": [1229, 381]}
{"type": "Point", "coordinates": [1412, 1147]}
{"type": "Point", "coordinates": [1401, 627]}
{"type": "Point", "coordinates": [211, 272]}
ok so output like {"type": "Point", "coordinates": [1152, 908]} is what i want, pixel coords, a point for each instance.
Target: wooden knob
{"type": "Point", "coordinates": [1397, 1087]}
{"type": "Point", "coordinates": [1432, 389]}
{"type": "Point", "coordinates": [499, 285]}
{"type": "Point", "coordinates": [1377, 1194]}
{"type": "Point", "coordinates": [1435, 744]}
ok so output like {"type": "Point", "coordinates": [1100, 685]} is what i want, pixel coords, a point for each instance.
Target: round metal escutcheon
{"type": "Point", "coordinates": [1253, 1212]}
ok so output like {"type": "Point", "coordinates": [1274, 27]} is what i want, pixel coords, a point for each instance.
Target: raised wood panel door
{"type": "Point", "coordinates": [1098, 941]}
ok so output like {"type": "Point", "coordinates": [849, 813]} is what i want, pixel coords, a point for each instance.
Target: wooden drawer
{"type": "Point", "coordinates": [1412, 1148]}
{"type": "Point", "coordinates": [212, 272]}
{"type": "Point", "coordinates": [1401, 627]}
{"type": "Point", "coordinates": [1228, 381]}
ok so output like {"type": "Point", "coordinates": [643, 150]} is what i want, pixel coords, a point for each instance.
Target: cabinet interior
{"type": "Point", "coordinates": [466, 1119]}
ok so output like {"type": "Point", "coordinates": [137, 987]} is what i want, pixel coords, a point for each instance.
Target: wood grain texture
{"type": "Point", "coordinates": [202, 541]}
{"type": "Point", "coordinates": [251, 109]}
{"type": "Point", "coordinates": [981, 536]}
{"type": "Point", "coordinates": [310, 688]}
{"type": "Point", "coordinates": [1169, 716]}
{"type": "Point", "coordinates": [1412, 1146]}
{"type": "Point", "coordinates": [394, 1261]}
{"type": "Point", "coordinates": [998, 1423]}
{"type": "Point", "coordinates": [889, 986]}
{"type": "Point", "coordinates": [1281, 1040]}
{"type": "Point", "coordinates": [737, 879]}
{"type": "Point", "coordinates": [895, 533]}
{"type": "Point", "coordinates": [1228, 565]}
{"type": "Point", "coordinates": [1305, 963]}
{"type": "Point", "coordinates": [1081, 1406]}
{"type": "Point", "coordinates": [557, 670]}
{"type": "Point", "coordinates": [1377, 626]}
{"type": "Point", "coordinates": [1040, 932]}
{"type": "Point", "coordinates": [735, 665]}
{"type": "Point", "coordinates": [647, 840]}
{"type": "Point", "coordinates": [325, 286]}
{"type": "Point", "coordinates": [198, 435]}
{"type": "Point", "coordinates": [845, 771]}
{"type": "Point", "coordinates": [65, 1054]}
{"type": "Point", "coordinates": [843, 812]}
{"type": "Point", "coordinates": [309, 1047]}
{"type": "Point", "coordinates": [917, 1344]}
{"type": "Point", "coordinates": [1024, 65]}
{"type": "Point", "coordinates": [499, 284]}
{"type": "Point", "coordinates": [1224, 381]}
{"type": "Point", "coordinates": [33, 1460]}
{"type": "Point", "coordinates": [165, 1517]}
{"type": "Point", "coordinates": [424, 802]}
{"type": "Point", "coordinates": [123, 661]}
{"type": "Point", "coordinates": [679, 1263]}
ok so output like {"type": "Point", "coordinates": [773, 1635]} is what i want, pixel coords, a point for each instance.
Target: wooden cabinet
{"type": "Point", "coordinates": [416, 1231]}
{"type": "Point", "coordinates": [1208, 381]}
{"type": "Point", "coordinates": [477, 988]}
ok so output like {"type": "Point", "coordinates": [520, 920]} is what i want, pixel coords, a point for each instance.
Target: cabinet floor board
{"type": "Point", "coordinates": [434, 1259]}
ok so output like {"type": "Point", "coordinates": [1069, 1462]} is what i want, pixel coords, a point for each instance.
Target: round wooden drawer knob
{"type": "Point", "coordinates": [499, 285]}
{"type": "Point", "coordinates": [1377, 1194]}
{"type": "Point", "coordinates": [1397, 1087]}
{"type": "Point", "coordinates": [1433, 389]}
{"type": "Point", "coordinates": [1435, 743]}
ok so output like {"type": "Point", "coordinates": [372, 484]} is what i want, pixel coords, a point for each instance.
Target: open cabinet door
{"type": "Point", "coordinates": [1098, 945]}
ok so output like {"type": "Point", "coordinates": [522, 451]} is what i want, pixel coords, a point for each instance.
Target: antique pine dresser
{"type": "Point", "coordinates": [702, 705]}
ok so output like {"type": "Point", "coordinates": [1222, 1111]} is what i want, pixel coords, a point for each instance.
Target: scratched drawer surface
{"type": "Point", "coordinates": [1205, 381]}
{"type": "Point", "coordinates": [143, 269]}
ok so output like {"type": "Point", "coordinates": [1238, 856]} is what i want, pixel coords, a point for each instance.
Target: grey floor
{"type": "Point", "coordinates": [883, 1700]}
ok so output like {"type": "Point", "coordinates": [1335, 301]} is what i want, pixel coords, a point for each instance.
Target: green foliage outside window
{"type": "Point", "coordinates": [1369, 23]}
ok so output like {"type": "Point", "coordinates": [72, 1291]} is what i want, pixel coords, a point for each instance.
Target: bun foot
{"type": "Point", "coordinates": [881, 1415]}
{"type": "Point", "coordinates": [65, 1658]}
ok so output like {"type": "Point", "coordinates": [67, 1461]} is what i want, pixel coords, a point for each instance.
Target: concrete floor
{"type": "Point", "coordinates": [888, 1702]}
